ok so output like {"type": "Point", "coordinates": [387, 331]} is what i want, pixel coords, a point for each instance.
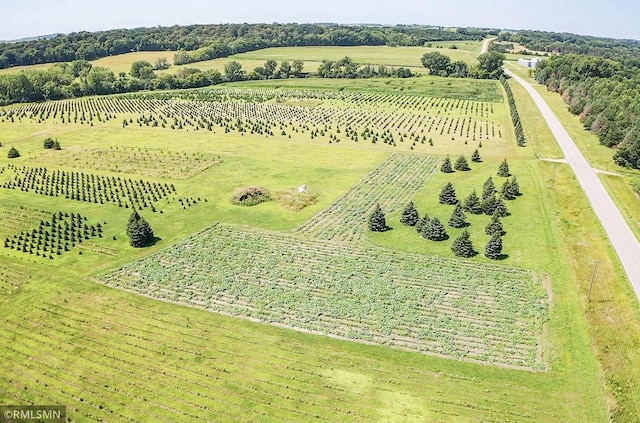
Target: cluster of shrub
{"type": "Point", "coordinates": [489, 66]}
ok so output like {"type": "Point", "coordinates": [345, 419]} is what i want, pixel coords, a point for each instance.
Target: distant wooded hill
{"type": "Point", "coordinates": [218, 40]}
{"type": "Point", "coordinates": [562, 42]}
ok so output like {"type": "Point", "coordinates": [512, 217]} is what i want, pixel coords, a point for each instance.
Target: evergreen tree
{"type": "Point", "coordinates": [500, 208]}
{"type": "Point", "coordinates": [488, 189]}
{"type": "Point", "coordinates": [435, 230]}
{"type": "Point", "coordinates": [446, 166]}
{"type": "Point", "coordinates": [410, 216]}
{"type": "Point", "coordinates": [493, 249]}
{"type": "Point", "coordinates": [448, 195]}
{"type": "Point", "coordinates": [461, 164]}
{"type": "Point", "coordinates": [475, 157]}
{"type": "Point", "coordinates": [13, 153]}
{"type": "Point", "coordinates": [377, 220]}
{"type": "Point", "coordinates": [422, 223]}
{"type": "Point", "coordinates": [495, 226]}
{"type": "Point", "coordinates": [139, 232]}
{"type": "Point", "coordinates": [507, 190]}
{"type": "Point", "coordinates": [503, 170]}
{"type": "Point", "coordinates": [472, 204]}
{"type": "Point", "coordinates": [489, 205]}
{"type": "Point", "coordinates": [52, 144]}
{"type": "Point", "coordinates": [462, 246]}
{"type": "Point", "coordinates": [515, 187]}
{"type": "Point", "coordinates": [458, 219]}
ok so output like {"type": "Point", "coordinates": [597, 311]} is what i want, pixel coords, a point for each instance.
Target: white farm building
{"type": "Point", "coordinates": [530, 63]}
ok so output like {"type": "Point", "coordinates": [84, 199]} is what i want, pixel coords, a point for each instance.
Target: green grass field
{"type": "Point", "coordinates": [112, 355]}
{"type": "Point", "coordinates": [466, 51]}
{"type": "Point", "coordinates": [312, 56]}
{"type": "Point", "coordinates": [123, 62]}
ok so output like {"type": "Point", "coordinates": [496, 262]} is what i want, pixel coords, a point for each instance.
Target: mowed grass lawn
{"type": "Point", "coordinates": [109, 355]}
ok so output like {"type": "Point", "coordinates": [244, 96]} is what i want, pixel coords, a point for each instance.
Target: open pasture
{"type": "Point", "coordinates": [122, 62]}
{"type": "Point", "coordinates": [466, 51]}
{"type": "Point", "coordinates": [147, 162]}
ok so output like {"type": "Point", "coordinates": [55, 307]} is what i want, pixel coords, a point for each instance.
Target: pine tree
{"type": "Point", "coordinates": [446, 166]}
{"type": "Point", "coordinates": [13, 153]}
{"type": "Point", "coordinates": [462, 246]}
{"type": "Point", "coordinates": [448, 195]}
{"type": "Point", "coordinates": [507, 190]}
{"type": "Point", "coordinates": [435, 230]}
{"type": "Point", "coordinates": [500, 208]}
{"type": "Point", "coordinates": [515, 187]}
{"type": "Point", "coordinates": [461, 164]}
{"type": "Point", "coordinates": [488, 189]}
{"type": "Point", "coordinates": [472, 204]}
{"type": "Point", "coordinates": [503, 170]}
{"type": "Point", "coordinates": [458, 219]}
{"type": "Point", "coordinates": [49, 143]}
{"type": "Point", "coordinates": [493, 249]}
{"type": "Point", "coordinates": [139, 232]}
{"type": "Point", "coordinates": [422, 223]}
{"type": "Point", "coordinates": [410, 216]}
{"type": "Point", "coordinates": [475, 157]}
{"type": "Point", "coordinates": [495, 226]}
{"type": "Point", "coordinates": [377, 220]}
{"type": "Point", "coordinates": [489, 205]}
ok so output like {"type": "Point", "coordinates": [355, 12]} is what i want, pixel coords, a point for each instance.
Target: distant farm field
{"type": "Point", "coordinates": [388, 326]}
{"type": "Point", "coordinates": [466, 51]}
{"type": "Point", "coordinates": [381, 55]}
{"type": "Point", "coordinates": [122, 62]}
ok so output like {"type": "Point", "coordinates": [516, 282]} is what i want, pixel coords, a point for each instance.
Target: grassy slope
{"type": "Point", "coordinates": [312, 56]}
{"type": "Point", "coordinates": [208, 360]}
{"type": "Point", "coordinates": [123, 62]}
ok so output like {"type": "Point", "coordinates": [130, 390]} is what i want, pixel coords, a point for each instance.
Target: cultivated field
{"type": "Point", "coordinates": [423, 335]}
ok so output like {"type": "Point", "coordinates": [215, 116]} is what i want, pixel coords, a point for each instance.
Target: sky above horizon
{"type": "Point", "coordinates": [615, 18]}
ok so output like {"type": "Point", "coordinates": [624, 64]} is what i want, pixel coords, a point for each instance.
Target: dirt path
{"type": "Point", "coordinates": [619, 232]}
{"type": "Point", "coordinates": [485, 45]}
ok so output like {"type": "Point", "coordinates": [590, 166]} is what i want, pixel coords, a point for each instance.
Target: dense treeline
{"type": "Point", "coordinates": [553, 42]}
{"type": "Point", "coordinates": [204, 42]}
{"type": "Point", "coordinates": [515, 116]}
{"type": "Point", "coordinates": [605, 93]}
{"type": "Point", "coordinates": [80, 78]}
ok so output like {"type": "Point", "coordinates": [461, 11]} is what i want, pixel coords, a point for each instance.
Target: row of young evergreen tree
{"type": "Point", "coordinates": [515, 116]}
